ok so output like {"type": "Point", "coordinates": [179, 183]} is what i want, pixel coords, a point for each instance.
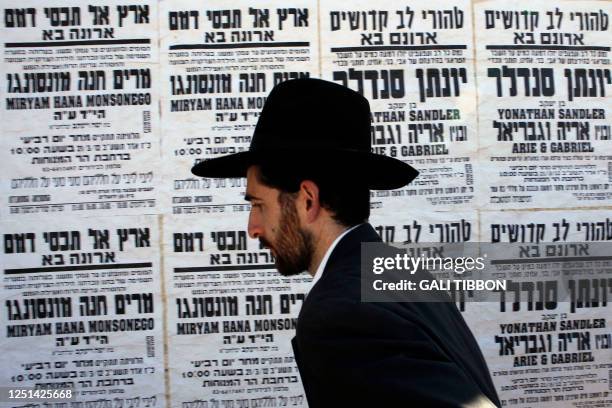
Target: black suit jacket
{"type": "Point", "coordinates": [353, 354]}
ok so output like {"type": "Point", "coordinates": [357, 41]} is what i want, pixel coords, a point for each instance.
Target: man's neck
{"type": "Point", "coordinates": [322, 241]}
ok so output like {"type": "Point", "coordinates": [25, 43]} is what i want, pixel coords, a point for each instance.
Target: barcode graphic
{"type": "Point", "coordinates": [146, 122]}
{"type": "Point", "coordinates": [150, 340]}
{"type": "Point", "coordinates": [469, 176]}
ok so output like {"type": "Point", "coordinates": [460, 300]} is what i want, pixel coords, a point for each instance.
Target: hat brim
{"type": "Point", "coordinates": [379, 172]}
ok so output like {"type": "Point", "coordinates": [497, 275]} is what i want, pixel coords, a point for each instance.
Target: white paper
{"type": "Point", "coordinates": [544, 104]}
{"type": "Point", "coordinates": [221, 60]}
{"type": "Point", "coordinates": [231, 316]}
{"type": "Point", "coordinates": [414, 64]}
{"type": "Point", "coordinates": [552, 351]}
{"type": "Point", "coordinates": [80, 108]}
{"type": "Point", "coordinates": [83, 309]}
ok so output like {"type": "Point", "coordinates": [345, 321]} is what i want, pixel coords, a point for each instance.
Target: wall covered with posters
{"type": "Point", "coordinates": [133, 282]}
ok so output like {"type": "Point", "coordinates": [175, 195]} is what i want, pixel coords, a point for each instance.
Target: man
{"type": "Point", "coordinates": [309, 171]}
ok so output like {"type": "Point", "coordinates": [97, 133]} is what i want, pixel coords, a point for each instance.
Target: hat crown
{"type": "Point", "coordinates": [311, 123]}
{"type": "Point", "coordinates": [313, 114]}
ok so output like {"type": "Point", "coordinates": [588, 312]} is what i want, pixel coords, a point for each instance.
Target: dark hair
{"type": "Point", "coordinates": [339, 191]}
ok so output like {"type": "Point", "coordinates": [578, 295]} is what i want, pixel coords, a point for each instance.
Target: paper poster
{"type": "Point", "coordinates": [220, 60]}
{"type": "Point", "coordinates": [231, 317]}
{"type": "Point", "coordinates": [414, 63]}
{"type": "Point", "coordinates": [79, 108]}
{"type": "Point", "coordinates": [544, 88]}
{"type": "Point", "coordinates": [82, 310]}
{"type": "Point", "coordinates": [547, 341]}
{"type": "Point", "coordinates": [415, 226]}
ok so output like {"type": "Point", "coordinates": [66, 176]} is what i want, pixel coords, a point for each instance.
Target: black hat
{"type": "Point", "coordinates": [317, 122]}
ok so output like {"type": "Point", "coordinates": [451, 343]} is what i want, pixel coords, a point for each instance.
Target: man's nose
{"type": "Point", "coordinates": [254, 227]}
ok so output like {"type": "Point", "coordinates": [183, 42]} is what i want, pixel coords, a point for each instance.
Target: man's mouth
{"type": "Point", "coordinates": [266, 245]}
{"type": "Point", "coordinates": [270, 248]}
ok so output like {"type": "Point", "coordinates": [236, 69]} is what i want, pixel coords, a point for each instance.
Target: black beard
{"type": "Point", "coordinates": [294, 247]}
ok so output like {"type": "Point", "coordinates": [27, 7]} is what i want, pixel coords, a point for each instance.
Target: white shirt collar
{"type": "Point", "coordinates": [321, 267]}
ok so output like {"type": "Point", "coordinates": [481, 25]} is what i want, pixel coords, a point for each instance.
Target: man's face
{"type": "Point", "coordinates": [274, 221]}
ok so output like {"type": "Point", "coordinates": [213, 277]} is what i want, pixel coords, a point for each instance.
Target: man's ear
{"type": "Point", "coordinates": [309, 200]}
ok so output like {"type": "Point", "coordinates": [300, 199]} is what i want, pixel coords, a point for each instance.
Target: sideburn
{"type": "Point", "coordinates": [294, 245]}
